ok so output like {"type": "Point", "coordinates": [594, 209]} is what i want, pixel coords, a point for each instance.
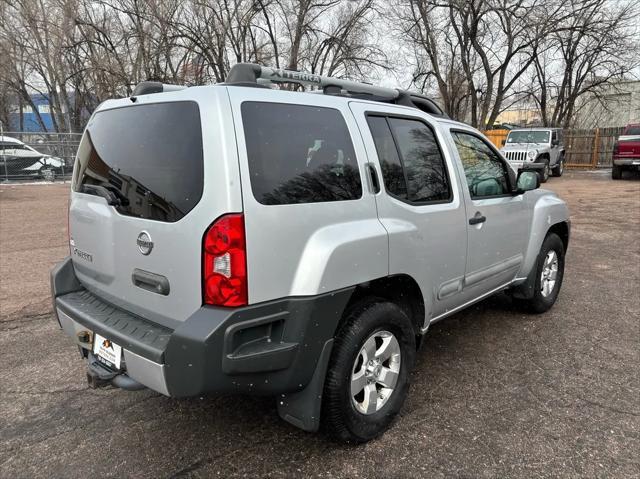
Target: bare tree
{"type": "Point", "coordinates": [477, 50]}
{"type": "Point", "coordinates": [594, 46]}
{"type": "Point", "coordinates": [426, 25]}
{"type": "Point", "coordinates": [474, 53]}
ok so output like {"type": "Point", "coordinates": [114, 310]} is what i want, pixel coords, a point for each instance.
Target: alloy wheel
{"type": "Point", "coordinates": [375, 372]}
{"type": "Point", "coordinates": [549, 273]}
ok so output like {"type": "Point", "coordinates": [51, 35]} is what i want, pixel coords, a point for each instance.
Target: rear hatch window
{"type": "Point", "coordinates": [145, 160]}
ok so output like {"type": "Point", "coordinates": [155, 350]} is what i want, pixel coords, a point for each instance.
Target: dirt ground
{"type": "Point", "coordinates": [495, 393]}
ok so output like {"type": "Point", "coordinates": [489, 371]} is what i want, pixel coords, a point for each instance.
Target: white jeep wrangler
{"type": "Point", "coordinates": [537, 149]}
{"type": "Point", "coordinates": [240, 239]}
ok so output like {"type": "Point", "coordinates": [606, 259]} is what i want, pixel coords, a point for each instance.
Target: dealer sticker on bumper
{"type": "Point", "coordinates": [107, 351]}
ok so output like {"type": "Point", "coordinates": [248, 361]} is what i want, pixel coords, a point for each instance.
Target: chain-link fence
{"type": "Point", "coordinates": [37, 156]}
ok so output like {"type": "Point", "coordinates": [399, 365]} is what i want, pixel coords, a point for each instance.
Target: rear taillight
{"type": "Point", "coordinates": [616, 148]}
{"type": "Point", "coordinates": [224, 262]}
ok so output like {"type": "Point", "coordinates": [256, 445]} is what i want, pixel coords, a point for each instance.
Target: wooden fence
{"type": "Point", "coordinates": [584, 148]}
{"type": "Point", "coordinates": [496, 136]}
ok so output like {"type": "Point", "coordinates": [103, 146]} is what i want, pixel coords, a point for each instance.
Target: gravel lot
{"type": "Point", "coordinates": [495, 393]}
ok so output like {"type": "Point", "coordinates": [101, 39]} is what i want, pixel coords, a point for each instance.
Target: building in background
{"type": "Point", "coordinates": [29, 120]}
{"type": "Point", "coordinates": [617, 105]}
{"type": "Point", "coordinates": [520, 116]}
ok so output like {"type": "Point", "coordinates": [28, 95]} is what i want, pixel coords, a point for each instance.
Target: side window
{"type": "Point", "coordinates": [485, 172]}
{"type": "Point", "coordinates": [413, 168]}
{"type": "Point", "coordinates": [392, 172]}
{"type": "Point", "coordinates": [299, 154]}
{"type": "Point", "coordinates": [424, 166]}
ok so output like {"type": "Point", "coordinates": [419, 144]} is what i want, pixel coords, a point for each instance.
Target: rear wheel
{"type": "Point", "coordinates": [616, 172]}
{"type": "Point", "coordinates": [367, 379]}
{"type": "Point", "coordinates": [549, 274]}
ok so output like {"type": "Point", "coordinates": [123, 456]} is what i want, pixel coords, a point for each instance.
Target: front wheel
{"type": "Point", "coordinates": [544, 174]}
{"type": "Point", "coordinates": [549, 274]}
{"type": "Point", "coordinates": [47, 173]}
{"type": "Point", "coordinates": [559, 168]}
{"type": "Point", "coordinates": [367, 379]}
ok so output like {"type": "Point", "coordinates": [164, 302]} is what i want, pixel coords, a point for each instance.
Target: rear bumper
{"type": "Point", "coordinates": [269, 348]}
{"type": "Point", "coordinates": [149, 373]}
{"type": "Point", "coordinates": [627, 161]}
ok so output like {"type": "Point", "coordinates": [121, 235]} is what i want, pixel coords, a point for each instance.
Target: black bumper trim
{"type": "Point", "coordinates": [131, 332]}
{"type": "Point", "coordinates": [202, 355]}
{"type": "Point", "coordinates": [268, 348]}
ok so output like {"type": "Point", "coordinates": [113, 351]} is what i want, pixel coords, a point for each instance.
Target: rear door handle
{"type": "Point", "coordinates": [150, 281]}
{"type": "Point", "coordinates": [477, 219]}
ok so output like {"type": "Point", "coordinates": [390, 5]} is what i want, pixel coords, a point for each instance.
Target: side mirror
{"type": "Point", "coordinates": [527, 181]}
{"type": "Point", "coordinates": [503, 142]}
{"type": "Point", "coordinates": [555, 142]}
{"type": "Point", "coordinates": [487, 187]}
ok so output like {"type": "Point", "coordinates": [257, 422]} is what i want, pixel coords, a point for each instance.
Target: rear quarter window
{"type": "Point", "coordinates": [299, 154]}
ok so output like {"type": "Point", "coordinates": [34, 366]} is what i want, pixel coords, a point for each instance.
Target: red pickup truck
{"type": "Point", "coordinates": [626, 151]}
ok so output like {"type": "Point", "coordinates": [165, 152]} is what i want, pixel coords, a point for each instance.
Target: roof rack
{"type": "Point", "coordinates": [250, 74]}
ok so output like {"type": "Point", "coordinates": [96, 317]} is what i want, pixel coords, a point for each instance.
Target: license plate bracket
{"type": "Point", "coordinates": [107, 352]}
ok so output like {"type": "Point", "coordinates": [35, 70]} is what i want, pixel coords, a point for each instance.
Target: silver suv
{"type": "Point", "coordinates": [241, 239]}
{"type": "Point", "coordinates": [539, 149]}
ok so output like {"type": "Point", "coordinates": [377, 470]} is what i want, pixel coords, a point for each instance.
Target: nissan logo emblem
{"type": "Point", "coordinates": [145, 245]}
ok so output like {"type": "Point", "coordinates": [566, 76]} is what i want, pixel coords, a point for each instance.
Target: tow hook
{"type": "Point", "coordinates": [96, 382]}
{"type": "Point", "coordinates": [99, 376]}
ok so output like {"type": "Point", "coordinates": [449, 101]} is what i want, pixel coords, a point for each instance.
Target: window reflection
{"type": "Point", "coordinates": [485, 172]}
{"type": "Point", "coordinates": [412, 165]}
{"type": "Point", "coordinates": [299, 154]}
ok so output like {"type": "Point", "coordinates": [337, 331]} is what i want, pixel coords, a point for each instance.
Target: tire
{"type": "Point", "coordinates": [544, 299]}
{"type": "Point", "coordinates": [544, 174]}
{"type": "Point", "coordinates": [48, 174]}
{"type": "Point", "coordinates": [616, 172]}
{"type": "Point", "coordinates": [342, 416]}
{"type": "Point", "coordinates": [559, 168]}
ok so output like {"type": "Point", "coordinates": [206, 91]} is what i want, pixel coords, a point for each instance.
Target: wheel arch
{"type": "Point", "coordinates": [400, 289]}
{"type": "Point", "coordinates": [562, 229]}
{"type": "Point", "coordinates": [524, 289]}
{"type": "Point", "coordinates": [543, 156]}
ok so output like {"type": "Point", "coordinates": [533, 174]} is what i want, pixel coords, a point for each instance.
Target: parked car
{"type": "Point", "coordinates": [540, 149]}
{"type": "Point", "coordinates": [240, 239]}
{"type": "Point", "coordinates": [626, 151]}
{"type": "Point", "coordinates": [20, 161]}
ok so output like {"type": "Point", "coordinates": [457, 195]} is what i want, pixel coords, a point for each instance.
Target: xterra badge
{"type": "Point", "coordinates": [145, 245]}
{"type": "Point", "coordinates": [79, 253]}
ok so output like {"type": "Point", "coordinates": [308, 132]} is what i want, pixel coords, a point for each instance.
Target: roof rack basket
{"type": "Point", "coordinates": [250, 74]}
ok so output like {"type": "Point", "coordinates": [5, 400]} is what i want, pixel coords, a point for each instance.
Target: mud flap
{"type": "Point", "coordinates": [526, 289]}
{"type": "Point", "coordinates": [302, 409]}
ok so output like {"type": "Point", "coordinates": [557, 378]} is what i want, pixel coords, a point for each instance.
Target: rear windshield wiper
{"type": "Point", "coordinates": [113, 198]}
